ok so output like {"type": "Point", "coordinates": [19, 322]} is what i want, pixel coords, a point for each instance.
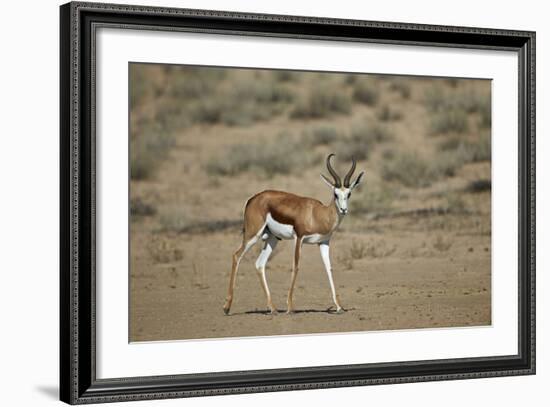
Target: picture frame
{"type": "Point", "coordinates": [79, 382]}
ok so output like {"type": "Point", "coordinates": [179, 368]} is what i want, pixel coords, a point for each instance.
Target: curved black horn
{"type": "Point", "coordinates": [348, 176]}
{"type": "Point", "coordinates": [337, 180]}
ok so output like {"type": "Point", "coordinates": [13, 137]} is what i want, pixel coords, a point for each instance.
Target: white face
{"type": "Point", "coordinates": [341, 197]}
{"type": "Point", "coordinates": [342, 194]}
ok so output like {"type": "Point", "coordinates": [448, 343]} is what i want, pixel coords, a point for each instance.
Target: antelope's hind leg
{"type": "Point", "coordinates": [269, 246]}
{"type": "Point", "coordinates": [248, 241]}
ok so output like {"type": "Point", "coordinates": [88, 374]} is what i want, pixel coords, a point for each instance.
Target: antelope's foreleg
{"type": "Point", "coordinates": [297, 253]}
{"type": "Point", "coordinates": [324, 248]}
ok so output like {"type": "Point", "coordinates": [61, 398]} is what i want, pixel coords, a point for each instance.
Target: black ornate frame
{"type": "Point", "coordinates": [78, 382]}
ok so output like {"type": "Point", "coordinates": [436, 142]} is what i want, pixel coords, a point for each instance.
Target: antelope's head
{"type": "Point", "coordinates": [342, 192]}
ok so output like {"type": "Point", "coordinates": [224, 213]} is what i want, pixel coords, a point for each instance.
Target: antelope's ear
{"type": "Point", "coordinates": [327, 181]}
{"type": "Point", "coordinates": [357, 180]}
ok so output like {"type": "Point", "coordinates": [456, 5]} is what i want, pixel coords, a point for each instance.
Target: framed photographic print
{"type": "Point", "coordinates": [255, 203]}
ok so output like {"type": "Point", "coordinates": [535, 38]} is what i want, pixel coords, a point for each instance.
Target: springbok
{"type": "Point", "coordinates": [275, 215]}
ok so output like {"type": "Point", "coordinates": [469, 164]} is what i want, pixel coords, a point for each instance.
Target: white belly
{"type": "Point", "coordinates": [283, 231]}
{"type": "Point", "coordinates": [280, 230]}
{"type": "Point", "coordinates": [316, 238]}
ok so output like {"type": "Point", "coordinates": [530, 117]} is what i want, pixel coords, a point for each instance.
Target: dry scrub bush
{"type": "Point", "coordinates": [387, 114]}
{"type": "Point", "coordinates": [283, 156]}
{"type": "Point", "coordinates": [452, 109]}
{"type": "Point", "coordinates": [468, 151]}
{"type": "Point", "coordinates": [408, 169]}
{"type": "Point", "coordinates": [147, 150]}
{"type": "Point", "coordinates": [449, 121]}
{"type": "Point", "coordinates": [413, 171]}
{"type": "Point", "coordinates": [362, 139]}
{"type": "Point", "coordinates": [321, 102]}
{"type": "Point", "coordinates": [373, 199]}
{"type": "Point", "coordinates": [366, 92]}
{"type": "Point", "coordinates": [139, 208]}
{"type": "Point", "coordinates": [401, 86]}
{"type": "Point", "coordinates": [321, 135]}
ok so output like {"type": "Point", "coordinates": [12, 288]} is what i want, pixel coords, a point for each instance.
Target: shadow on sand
{"type": "Point", "coordinates": [330, 310]}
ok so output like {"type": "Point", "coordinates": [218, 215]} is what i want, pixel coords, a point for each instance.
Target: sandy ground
{"type": "Point", "coordinates": [408, 281]}
{"type": "Point", "coordinates": [407, 271]}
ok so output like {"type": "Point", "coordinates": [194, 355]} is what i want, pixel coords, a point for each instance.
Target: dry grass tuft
{"type": "Point", "coordinates": [164, 251]}
{"type": "Point", "coordinates": [358, 250]}
{"type": "Point", "coordinates": [441, 244]}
